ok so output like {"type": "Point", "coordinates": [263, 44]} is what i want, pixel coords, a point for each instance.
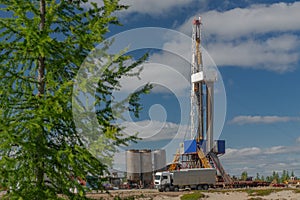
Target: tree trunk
{"type": "Point", "coordinates": [41, 59]}
{"type": "Point", "coordinates": [41, 92]}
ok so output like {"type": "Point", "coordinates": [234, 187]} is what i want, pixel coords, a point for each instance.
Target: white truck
{"type": "Point", "coordinates": [198, 178]}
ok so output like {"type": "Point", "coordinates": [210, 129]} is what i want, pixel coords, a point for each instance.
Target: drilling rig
{"type": "Point", "coordinates": [201, 150]}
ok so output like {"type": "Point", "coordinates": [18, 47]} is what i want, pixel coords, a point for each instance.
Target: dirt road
{"type": "Point", "coordinates": [210, 195]}
{"type": "Point", "coordinates": [142, 194]}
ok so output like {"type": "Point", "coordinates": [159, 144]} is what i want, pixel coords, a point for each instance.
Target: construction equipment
{"type": "Point", "coordinates": [201, 150]}
{"type": "Point", "coordinates": [175, 161]}
{"type": "Point", "coordinates": [203, 158]}
{"type": "Point", "coordinates": [220, 168]}
{"type": "Point", "coordinates": [188, 178]}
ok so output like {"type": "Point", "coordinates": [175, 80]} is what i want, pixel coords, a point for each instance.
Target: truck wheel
{"type": "Point", "coordinates": [199, 187]}
{"type": "Point", "coordinates": [176, 189]}
{"type": "Point", "coordinates": [167, 189]}
{"type": "Point", "coordinates": [205, 187]}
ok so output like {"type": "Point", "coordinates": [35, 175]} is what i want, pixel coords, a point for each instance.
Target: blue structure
{"type": "Point", "coordinates": [190, 146]}
{"type": "Point", "coordinates": [219, 146]}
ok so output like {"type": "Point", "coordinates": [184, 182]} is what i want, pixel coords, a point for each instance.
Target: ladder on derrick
{"type": "Point", "coordinates": [175, 161]}
{"type": "Point", "coordinates": [220, 168]}
{"type": "Point", "coordinates": [203, 158]}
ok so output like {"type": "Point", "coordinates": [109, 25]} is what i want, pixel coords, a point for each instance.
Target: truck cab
{"type": "Point", "coordinates": [163, 181]}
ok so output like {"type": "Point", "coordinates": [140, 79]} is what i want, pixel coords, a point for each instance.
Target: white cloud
{"type": "Point", "coordinates": [233, 153]}
{"type": "Point", "coordinates": [154, 7]}
{"type": "Point", "coordinates": [261, 36]}
{"type": "Point", "coordinates": [261, 160]}
{"type": "Point", "coordinates": [257, 19]}
{"type": "Point", "coordinates": [151, 130]}
{"type": "Point", "coordinates": [248, 119]}
{"type": "Point", "coordinates": [159, 74]}
{"type": "Point", "coordinates": [278, 150]}
{"type": "Point", "coordinates": [275, 54]}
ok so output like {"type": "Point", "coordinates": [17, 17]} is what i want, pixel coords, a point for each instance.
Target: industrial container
{"type": "Point", "coordinates": [146, 166]}
{"type": "Point", "coordinates": [133, 165]}
{"type": "Point", "coordinates": [190, 146]}
{"type": "Point", "coordinates": [159, 159]}
{"type": "Point", "coordinates": [219, 146]}
{"type": "Point", "coordinates": [194, 176]}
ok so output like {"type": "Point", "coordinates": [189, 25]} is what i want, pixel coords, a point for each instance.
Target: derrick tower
{"type": "Point", "coordinates": [201, 150]}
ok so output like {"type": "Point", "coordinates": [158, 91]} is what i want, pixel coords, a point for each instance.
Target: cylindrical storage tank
{"type": "Point", "coordinates": [133, 165]}
{"type": "Point", "coordinates": [146, 165]}
{"type": "Point", "coordinates": [159, 159]}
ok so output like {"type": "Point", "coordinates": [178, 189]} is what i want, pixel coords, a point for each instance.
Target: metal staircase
{"type": "Point", "coordinates": [219, 167]}
{"type": "Point", "coordinates": [175, 161]}
{"type": "Point", "coordinates": [203, 158]}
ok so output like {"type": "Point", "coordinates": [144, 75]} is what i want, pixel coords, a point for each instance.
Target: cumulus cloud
{"type": "Point", "coordinates": [254, 151]}
{"type": "Point", "coordinates": [248, 119]}
{"type": "Point", "coordinates": [158, 74]}
{"type": "Point", "coordinates": [243, 152]}
{"type": "Point", "coordinates": [257, 19]}
{"type": "Point", "coordinates": [279, 150]}
{"type": "Point", "coordinates": [261, 36]}
{"type": "Point", "coordinates": [278, 53]}
{"type": "Point", "coordinates": [151, 130]}
{"type": "Point", "coordinates": [255, 159]}
{"type": "Point", "coordinates": [154, 7]}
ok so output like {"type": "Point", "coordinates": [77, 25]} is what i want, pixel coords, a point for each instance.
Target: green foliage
{"type": "Point", "coordinates": [256, 198]}
{"type": "Point", "coordinates": [275, 177]}
{"type": "Point", "coordinates": [267, 191]}
{"type": "Point", "coordinates": [260, 192]}
{"type": "Point", "coordinates": [244, 175]}
{"type": "Point", "coordinates": [43, 44]}
{"type": "Point", "coordinates": [296, 191]}
{"type": "Point", "coordinates": [284, 176]}
{"type": "Point", "coordinates": [192, 196]}
{"type": "Point", "coordinates": [257, 178]}
{"type": "Point", "coordinates": [292, 174]}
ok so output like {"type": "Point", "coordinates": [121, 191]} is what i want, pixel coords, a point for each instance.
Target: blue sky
{"type": "Point", "coordinates": [255, 45]}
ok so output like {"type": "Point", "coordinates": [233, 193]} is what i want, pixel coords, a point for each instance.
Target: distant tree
{"type": "Point", "coordinates": [275, 177]}
{"type": "Point", "coordinates": [43, 44]}
{"type": "Point", "coordinates": [257, 178]}
{"type": "Point", "coordinates": [262, 178]}
{"type": "Point", "coordinates": [292, 174]}
{"type": "Point", "coordinates": [244, 176]}
{"type": "Point", "coordinates": [234, 178]}
{"type": "Point", "coordinates": [285, 176]}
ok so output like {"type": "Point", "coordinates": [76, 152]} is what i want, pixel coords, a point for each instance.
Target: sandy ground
{"type": "Point", "coordinates": [289, 195]}
{"type": "Point", "coordinates": [281, 195]}
{"type": "Point", "coordinates": [144, 194]}
{"type": "Point", "coordinates": [211, 195]}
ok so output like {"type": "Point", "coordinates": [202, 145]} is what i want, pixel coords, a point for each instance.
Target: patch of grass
{"type": "Point", "coordinates": [224, 191]}
{"type": "Point", "coordinates": [130, 197]}
{"type": "Point", "coordinates": [256, 198]}
{"type": "Point", "coordinates": [125, 198]}
{"type": "Point", "coordinates": [264, 192]}
{"type": "Point", "coordinates": [296, 191]}
{"type": "Point", "coordinates": [192, 196]}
